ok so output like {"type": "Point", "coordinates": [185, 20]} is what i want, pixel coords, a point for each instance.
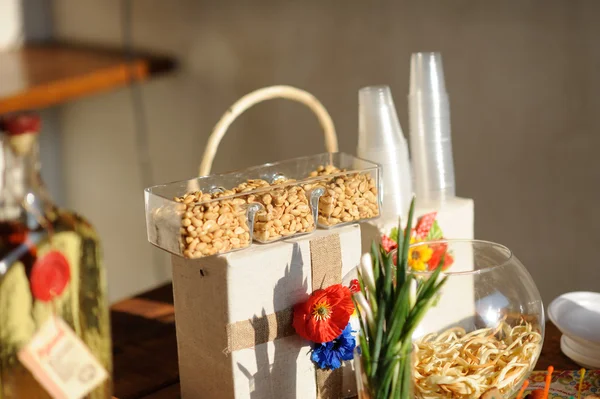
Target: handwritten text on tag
{"type": "Point", "coordinates": [61, 362]}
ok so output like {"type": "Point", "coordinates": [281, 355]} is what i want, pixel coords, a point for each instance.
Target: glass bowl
{"type": "Point", "coordinates": [486, 329]}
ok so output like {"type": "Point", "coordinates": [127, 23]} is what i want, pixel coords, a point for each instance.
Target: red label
{"type": "Point", "coordinates": [50, 275]}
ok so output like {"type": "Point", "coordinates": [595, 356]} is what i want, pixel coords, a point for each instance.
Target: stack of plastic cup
{"type": "Point", "coordinates": [380, 139]}
{"type": "Point", "coordinates": [430, 138]}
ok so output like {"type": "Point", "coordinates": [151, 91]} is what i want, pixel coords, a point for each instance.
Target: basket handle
{"type": "Point", "coordinates": [260, 95]}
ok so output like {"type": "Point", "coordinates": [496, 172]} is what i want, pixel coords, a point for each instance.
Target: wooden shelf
{"type": "Point", "coordinates": [38, 76]}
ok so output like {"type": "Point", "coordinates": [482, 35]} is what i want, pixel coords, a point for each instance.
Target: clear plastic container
{"type": "Point", "coordinates": [222, 213]}
{"type": "Point", "coordinates": [352, 191]}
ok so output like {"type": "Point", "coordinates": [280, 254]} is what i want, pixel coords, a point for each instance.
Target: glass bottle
{"type": "Point", "coordinates": [50, 263]}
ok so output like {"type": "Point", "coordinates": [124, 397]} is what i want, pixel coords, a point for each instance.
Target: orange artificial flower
{"type": "Point", "coordinates": [325, 314]}
{"type": "Point", "coordinates": [440, 250]}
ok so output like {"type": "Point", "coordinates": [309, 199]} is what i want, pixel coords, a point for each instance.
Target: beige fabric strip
{"type": "Point", "coordinates": [326, 261]}
{"type": "Point", "coordinates": [249, 333]}
{"type": "Point", "coordinates": [329, 383]}
{"type": "Point", "coordinates": [326, 266]}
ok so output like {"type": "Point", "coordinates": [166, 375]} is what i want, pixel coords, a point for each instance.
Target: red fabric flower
{"type": "Point", "coordinates": [325, 314]}
{"type": "Point", "coordinates": [354, 286]}
{"type": "Point", "coordinates": [436, 257]}
{"type": "Point", "coordinates": [388, 244]}
{"type": "Point", "coordinates": [424, 225]}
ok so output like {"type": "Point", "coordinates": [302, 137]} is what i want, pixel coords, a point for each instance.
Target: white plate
{"type": "Point", "coordinates": [583, 345]}
{"type": "Point", "coordinates": [577, 314]}
{"type": "Point", "coordinates": [577, 357]}
{"type": "Point", "coordinates": [590, 351]}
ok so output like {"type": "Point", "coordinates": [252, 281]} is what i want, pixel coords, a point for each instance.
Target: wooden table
{"type": "Point", "coordinates": [145, 347]}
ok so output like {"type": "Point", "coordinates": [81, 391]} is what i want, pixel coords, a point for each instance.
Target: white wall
{"type": "Point", "coordinates": [522, 76]}
{"type": "Point", "coordinates": [32, 21]}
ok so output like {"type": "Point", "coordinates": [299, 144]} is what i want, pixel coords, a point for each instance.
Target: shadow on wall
{"type": "Point", "coordinates": [267, 382]}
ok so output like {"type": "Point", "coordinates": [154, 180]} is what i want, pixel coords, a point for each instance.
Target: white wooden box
{"type": "Point", "coordinates": [214, 292]}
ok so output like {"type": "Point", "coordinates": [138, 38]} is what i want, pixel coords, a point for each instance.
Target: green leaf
{"type": "Point", "coordinates": [394, 234]}
{"type": "Point", "coordinates": [403, 257]}
{"type": "Point", "coordinates": [436, 300]}
{"type": "Point", "coordinates": [364, 350]}
{"type": "Point", "coordinates": [387, 288]}
{"type": "Point", "coordinates": [435, 233]}
{"type": "Point", "coordinates": [374, 260]}
{"type": "Point", "coordinates": [379, 336]}
{"type": "Point", "coordinates": [399, 312]}
{"type": "Point", "coordinates": [406, 376]}
{"type": "Point", "coordinates": [397, 376]}
{"type": "Point", "coordinates": [427, 286]}
{"type": "Point", "coordinates": [442, 261]}
{"type": "Point", "coordinates": [400, 269]}
{"type": "Point", "coordinates": [383, 390]}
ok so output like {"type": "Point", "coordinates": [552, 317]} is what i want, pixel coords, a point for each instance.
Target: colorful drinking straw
{"type": "Point", "coordinates": [581, 375]}
{"type": "Point", "coordinates": [523, 388]}
{"type": "Point", "coordinates": [548, 381]}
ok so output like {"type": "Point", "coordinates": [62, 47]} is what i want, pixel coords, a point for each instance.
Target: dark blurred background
{"type": "Point", "coordinates": [523, 79]}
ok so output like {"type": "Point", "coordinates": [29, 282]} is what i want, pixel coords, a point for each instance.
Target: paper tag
{"type": "Point", "coordinates": [61, 362]}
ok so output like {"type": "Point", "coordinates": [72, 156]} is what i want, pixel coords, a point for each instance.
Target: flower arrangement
{"type": "Point", "coordinates": [324, 319]}
{"type": "Point", "coordinates": [423, 257]}
{"type": "Point", "coordinates": [391, 303]}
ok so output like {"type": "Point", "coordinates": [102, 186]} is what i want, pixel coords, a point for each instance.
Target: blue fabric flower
{"type": "Point", "coordinates": [331, 354]}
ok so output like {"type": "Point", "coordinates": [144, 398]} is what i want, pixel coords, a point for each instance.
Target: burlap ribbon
{"type": "Point", "coordinates": [326, 270]}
